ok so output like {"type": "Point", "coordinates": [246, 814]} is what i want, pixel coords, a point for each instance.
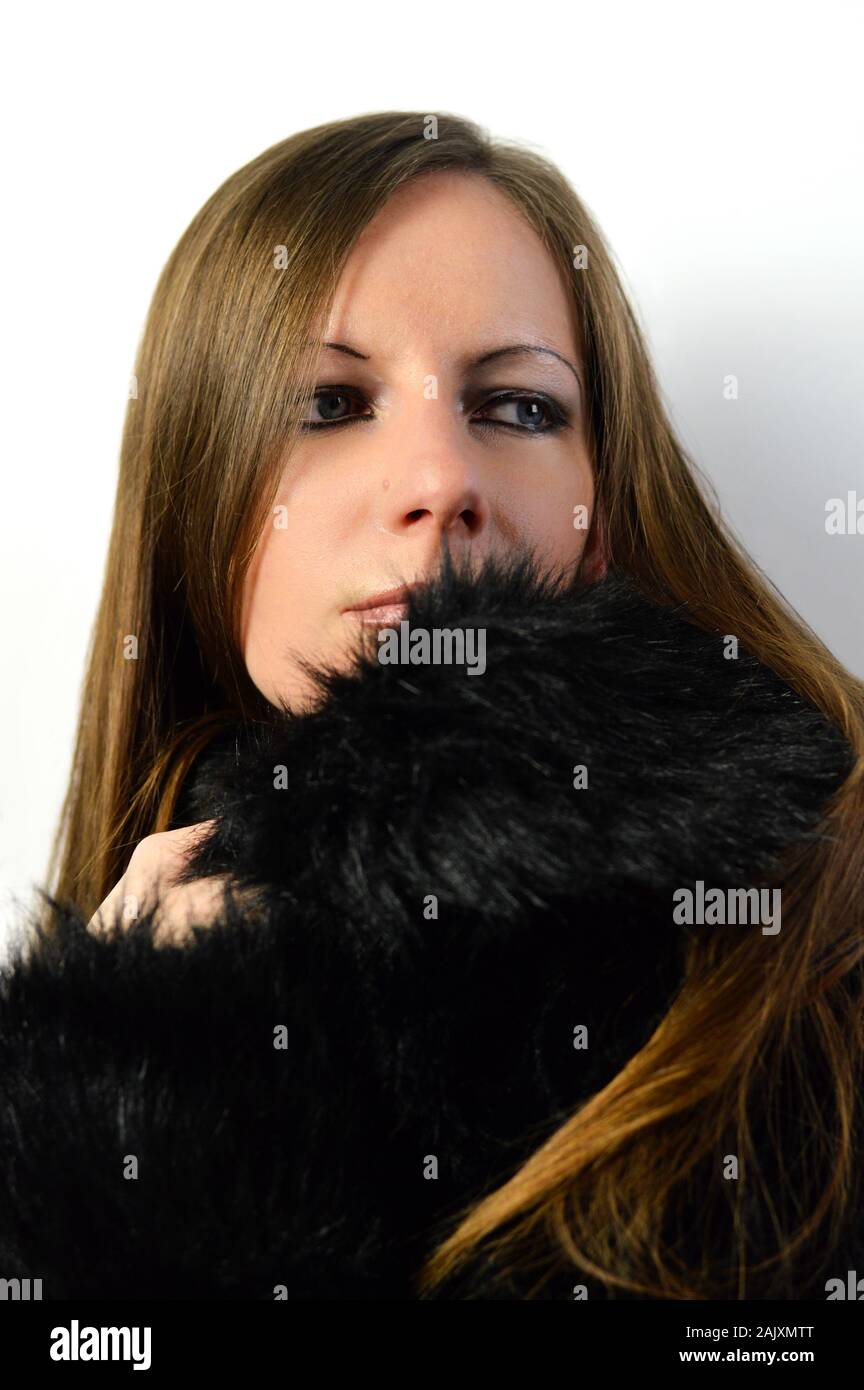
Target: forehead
{"type": "Point", "coordinates": [447, 261]}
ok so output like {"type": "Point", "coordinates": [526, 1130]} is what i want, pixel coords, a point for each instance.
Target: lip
{"type": "Point", "coordinates": [384, 608]}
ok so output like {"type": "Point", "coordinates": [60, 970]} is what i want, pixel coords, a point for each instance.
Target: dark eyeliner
{"type": "Point", "coordinates": [558, 416]}
{"type": "Point", "coordinates": [307, 426]}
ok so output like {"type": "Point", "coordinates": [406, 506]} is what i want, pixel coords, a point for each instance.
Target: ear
{"type": "Point", "coordinates": [594, 557]}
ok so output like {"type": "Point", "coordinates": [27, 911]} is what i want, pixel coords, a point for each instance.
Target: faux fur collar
{"type": "Point", "coordinates": [698, 761]}
{"type": "Point", "coordinates": [455, 872]}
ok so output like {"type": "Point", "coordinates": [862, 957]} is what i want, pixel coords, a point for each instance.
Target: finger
{"type": "Point", "coordinates": [156, 861]}
{"type": "Point", "coordinates": [197, 904]}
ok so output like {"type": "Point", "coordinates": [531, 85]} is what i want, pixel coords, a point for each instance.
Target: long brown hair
{"type": "Point", "coordinates": [220, 375]}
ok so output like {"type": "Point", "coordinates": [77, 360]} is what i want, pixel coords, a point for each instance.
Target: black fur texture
{"type": "Point", "coordinates": [409, 1037]}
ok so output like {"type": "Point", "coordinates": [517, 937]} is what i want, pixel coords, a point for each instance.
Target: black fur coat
{"type": "Point", "coordinates": [301, 1097]}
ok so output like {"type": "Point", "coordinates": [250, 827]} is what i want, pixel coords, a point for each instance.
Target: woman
{"type": "Point", "coordinates": [366, 982]}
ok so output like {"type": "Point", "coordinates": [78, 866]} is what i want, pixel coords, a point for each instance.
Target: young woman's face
{"type": "Point", "coordinates": [410, 435]}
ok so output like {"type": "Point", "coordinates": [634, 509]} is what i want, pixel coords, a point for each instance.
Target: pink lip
{"type": "Point", "coordinates": [382, 615]}
{"type": "Point", "coordinates": [382, 609]}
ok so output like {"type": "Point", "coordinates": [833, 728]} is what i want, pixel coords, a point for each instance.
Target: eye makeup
{"type": "Point", "coordinates": [536, 404]}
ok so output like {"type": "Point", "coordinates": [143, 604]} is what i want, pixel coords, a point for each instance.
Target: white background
{"type": "Point", "coordinates": [719, 147]}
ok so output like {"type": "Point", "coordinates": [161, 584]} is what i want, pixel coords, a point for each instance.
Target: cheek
{"type": "Point", "coordinates": [286, 564]}
{"type": "Point", "coordinates": [269, 598]}
{"type": "Point", "coordinates": [288, 595]}
{"type": "Point", "coordinates": [554, 513]}
{"type": "Point", "coordinates": [255, 591]}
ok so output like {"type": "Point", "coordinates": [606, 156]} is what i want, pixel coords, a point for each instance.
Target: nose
{"type": "Point", "coordinates": [433, 486]}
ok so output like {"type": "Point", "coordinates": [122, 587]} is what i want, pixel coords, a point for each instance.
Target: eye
{"type": "Point", "coordinates": [329, 400]}
{"type": "Point", "coordinates": [529, 410]}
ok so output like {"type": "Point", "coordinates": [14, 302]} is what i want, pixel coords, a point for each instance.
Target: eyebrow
{"type": "Point", "coordinates": [494, 355]}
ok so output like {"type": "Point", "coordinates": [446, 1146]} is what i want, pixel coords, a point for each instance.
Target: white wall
{"type": "Point", "coordinates": [719, 147]}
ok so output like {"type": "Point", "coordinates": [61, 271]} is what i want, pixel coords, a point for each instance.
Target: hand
{"type": "Point", "coordinates": [156, 862]}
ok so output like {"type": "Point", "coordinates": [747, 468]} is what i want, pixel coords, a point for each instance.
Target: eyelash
{"type": "Point", "coordinates": [559, 417]}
